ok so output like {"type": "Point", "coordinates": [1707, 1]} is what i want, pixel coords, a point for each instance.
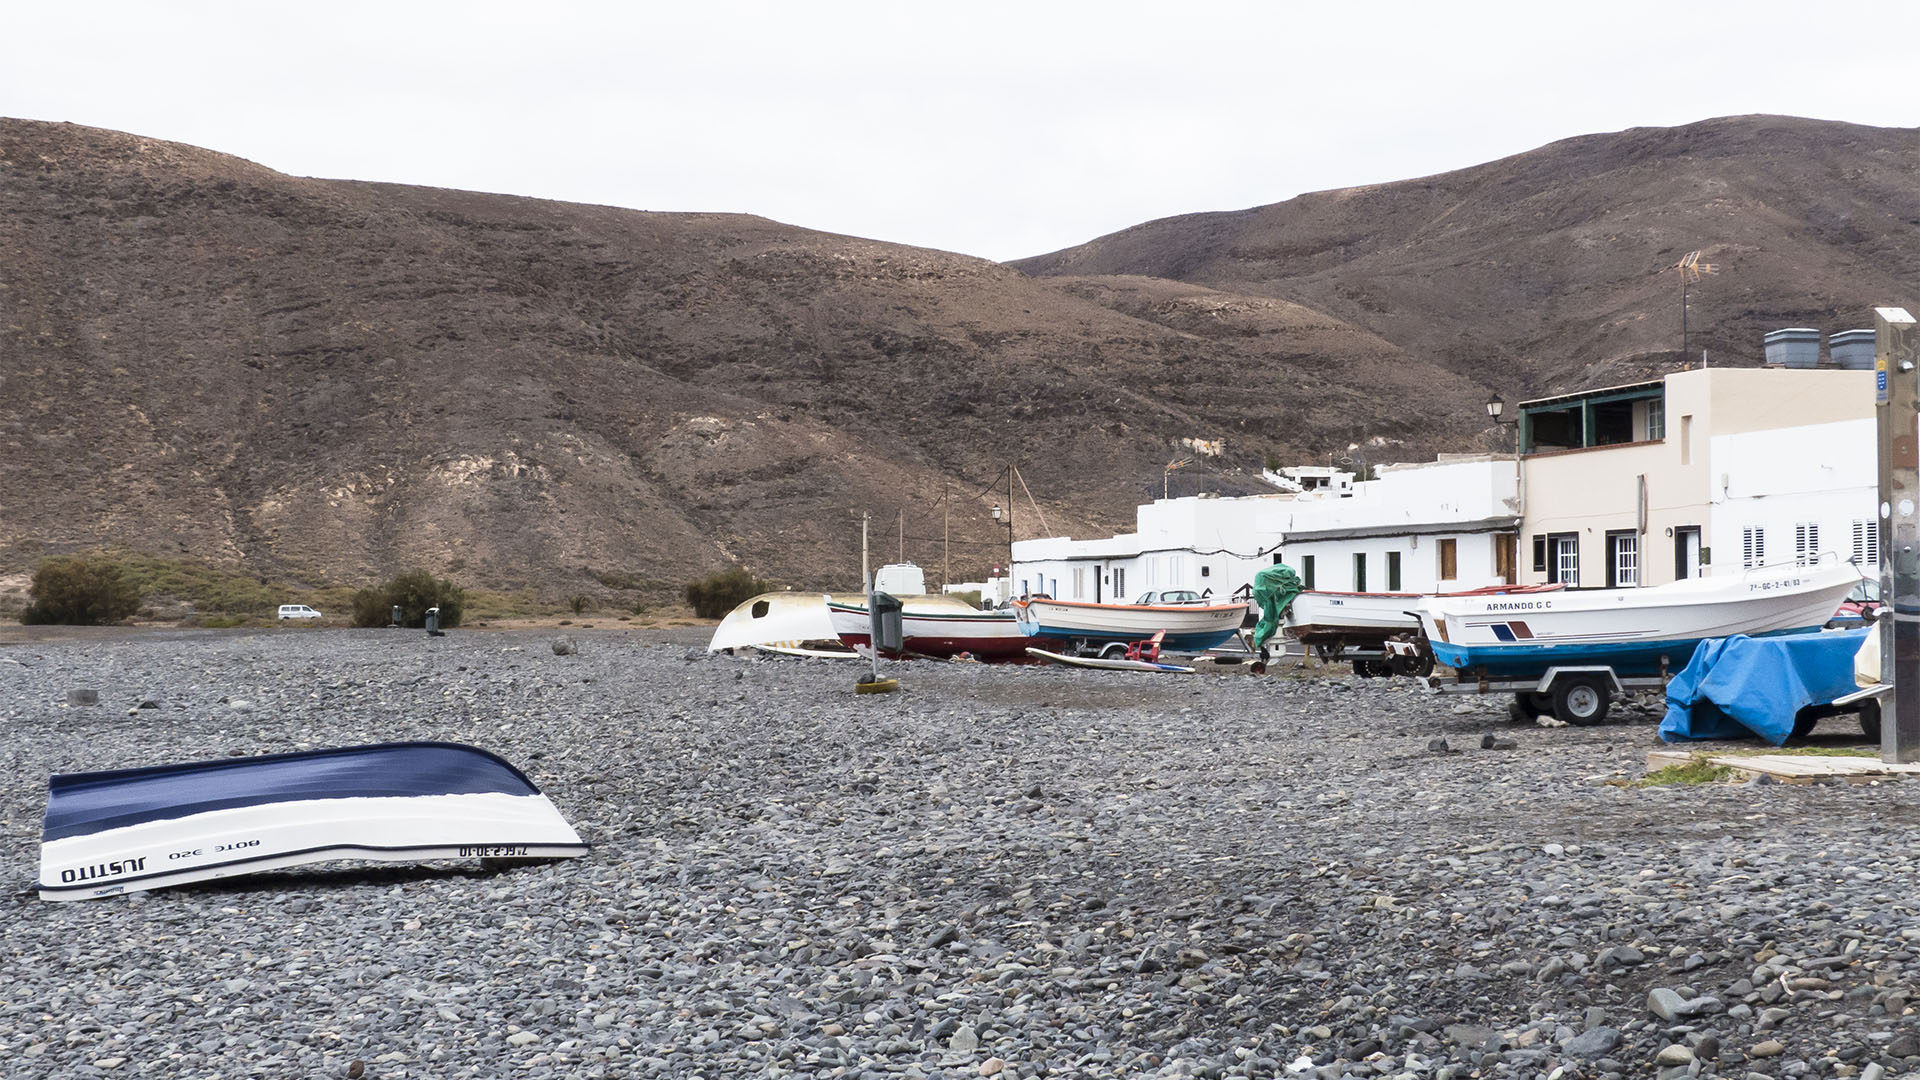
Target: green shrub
{"type": "Point", "coordinates": [579, 602]}
{"type": "Point", "coordinates": [79, 591]}
{"type": "Point", "coordinates": [971, 596]}
{"type": "Point", "coordinates": [716, 594]}
{"type": "Point", "coordinates": [413, 592]}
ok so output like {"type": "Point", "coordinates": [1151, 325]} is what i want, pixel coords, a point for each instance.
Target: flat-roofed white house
{"type": "Point", "coordinates": [1702, 472]}
{"type": "Point", "coordinates": [1436, 526]}
{"type": "Point", "coordinates": [1205, 543]}
{"type": "Point", "coordinates": [1446, 524]}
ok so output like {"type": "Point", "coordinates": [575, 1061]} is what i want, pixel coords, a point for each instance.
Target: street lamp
{"type": "Point", "coordinates": [1005, 517]}
{"type": "Point", "coordinates": [1495, 407]}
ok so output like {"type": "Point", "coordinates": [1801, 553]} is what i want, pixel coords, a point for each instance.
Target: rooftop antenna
{"type": "Point", "coordinates": [1166, 473]}
{"type": "Point", "coordinates": [1691, 268]}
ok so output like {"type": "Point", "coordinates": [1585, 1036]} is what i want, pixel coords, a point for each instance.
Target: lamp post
{"type": "Point", "coordinates": [1496, 408]}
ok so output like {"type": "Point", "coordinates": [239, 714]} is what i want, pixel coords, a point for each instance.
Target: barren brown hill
{"type": "Point", "coordinates": [328, 381]}
{"type": "Point", "coordinates": [1549, 270]}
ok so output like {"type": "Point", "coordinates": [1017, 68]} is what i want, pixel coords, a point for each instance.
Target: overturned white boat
{"type": "Point", "coordinates": [133, 829]}
{"type": "Point", "coordinates": [794, 623]}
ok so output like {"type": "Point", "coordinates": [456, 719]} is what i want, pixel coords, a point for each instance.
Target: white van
{"type": "Point", "coordinates": [297, 611]}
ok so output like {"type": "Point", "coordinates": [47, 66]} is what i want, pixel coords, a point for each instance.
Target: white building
{"type": "Point", "coordinates": [1706, 471]}
{"type": "Point", "coordinates": [1702, 472]}
{"type": "Point", "coordinates": [1444, 524]}
{"type": "Point", "coordinates": [1434, 527]}
{"type": "Point", "coordinates": [1204, 543]}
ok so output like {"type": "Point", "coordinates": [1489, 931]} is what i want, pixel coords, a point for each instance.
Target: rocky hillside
{"type": "Point", "coordinates": [1550, 270]}
{"type": "Point", "coordinates": [327, 381]}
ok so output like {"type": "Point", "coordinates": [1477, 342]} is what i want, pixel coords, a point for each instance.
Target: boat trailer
{"type": "Point", "coordinates": [1577, 694]}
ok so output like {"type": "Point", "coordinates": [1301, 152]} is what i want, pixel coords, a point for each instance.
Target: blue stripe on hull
{"type": "Point", "coordinates": [1531, 661]}
{"type": "Point", "coordinates": [1192, 641]}
{"type": "Point", "coordinates": [83, 803]}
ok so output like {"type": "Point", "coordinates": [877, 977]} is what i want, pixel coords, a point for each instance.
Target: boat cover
{"type": "Point", "coordinates": [1736, 687]}
{"type": "Point", "coordinates": [145, 828]}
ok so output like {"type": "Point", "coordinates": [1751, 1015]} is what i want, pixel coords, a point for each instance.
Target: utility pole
{"type": "Point", "coordinates": [903, 534]}
{"type": "Point", "coordinates": [946, 543]}
{"type": "Point", "coordinates": [866, 575]}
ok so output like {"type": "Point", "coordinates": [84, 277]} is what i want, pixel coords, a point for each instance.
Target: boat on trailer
{"type": "Point", "coordinates": [129, 830]}
{"type": "Point", "coordinates": [1103, 629]}
{"type": "Point", "coordinates": [1568, 652]}
{"type": "Point", "coordinates": [1356, 626]}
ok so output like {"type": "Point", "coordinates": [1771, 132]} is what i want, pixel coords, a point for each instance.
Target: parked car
{"type": "Point", "coordinates": [1861, 606]}
{"type": "Point", "coordinates": [1168, 596]}
{"type": "Point", "coordinates": [297, 611]}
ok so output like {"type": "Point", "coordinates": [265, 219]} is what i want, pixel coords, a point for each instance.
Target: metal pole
{"type": "Point", "coordinates": [1897, 404]}
{"type": "Point", "coordinates": [946, 545]}
{"type": "Point", "coordinates": [903, 534]}
{"type": "Point", "coordinates": [1683, 315]}
{"type": "Point", "coordinates": [866, 575]}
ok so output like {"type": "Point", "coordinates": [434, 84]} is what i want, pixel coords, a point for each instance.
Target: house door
{"type": "Point", "coordinates": [1686, 552]}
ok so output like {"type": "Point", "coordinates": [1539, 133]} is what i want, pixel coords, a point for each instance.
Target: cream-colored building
{"type": "Point", "coordinates": [1706, 471]}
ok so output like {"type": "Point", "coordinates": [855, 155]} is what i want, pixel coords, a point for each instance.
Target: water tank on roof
{"type": "Point", "coordinates": [1795, 347]}
{"type": "Point", "coordinates": [1852, 349]}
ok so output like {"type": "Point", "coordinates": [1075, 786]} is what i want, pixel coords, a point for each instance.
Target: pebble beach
{"type": "Point", "coordinates": [997, 871]}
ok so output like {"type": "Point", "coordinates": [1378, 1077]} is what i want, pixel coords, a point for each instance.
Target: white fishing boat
{"type": "Point", "coordinates": [1100, 628]}
{"type": "Point", "coordinates": [796, 624]}
{"type": "Point", "coordinates": [1633, 631]}
{"type": "Point", "coordinates": [938, 626]}
{"type": "Point", "coordinates": [1357, 625]}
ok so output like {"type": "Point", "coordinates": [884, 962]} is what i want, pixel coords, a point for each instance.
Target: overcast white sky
{"type": "Point", "coordinates": [996, 129]}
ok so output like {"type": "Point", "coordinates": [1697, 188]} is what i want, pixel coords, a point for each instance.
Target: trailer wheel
{"type": "Point", "coordinates": [1581, 701]}
{"type": "Point", "coordinates": [1419, 666]}
{"type": "Point", "coordinates": [1870, 720]}
{"type": "Point", "coordinates": [1371, 669]}
{"type": "Point", "coordinates": [1525, 707]}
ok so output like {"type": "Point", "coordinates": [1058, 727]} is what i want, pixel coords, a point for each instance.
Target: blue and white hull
{"type": "Point", "coordinates": [133, 829]}
{"type": "Point", "coordinates": [1634, 631]}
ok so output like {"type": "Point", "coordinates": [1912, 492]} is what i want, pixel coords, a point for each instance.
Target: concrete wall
{"type": "Point", "coordinates": [1822, 474]}
{"type": "Point", "coordinates": [1333, 562]}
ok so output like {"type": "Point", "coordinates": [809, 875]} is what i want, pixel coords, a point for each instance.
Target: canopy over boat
{"type": "Point", "coordinates": [134, 829]}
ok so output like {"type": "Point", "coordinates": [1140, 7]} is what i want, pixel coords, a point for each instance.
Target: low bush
{"type": "Point", "coordinates": [716, 594]}
{"type": "Point", "coordinates": [79, 591]}
{"type": "Point", "coordinates": [413, 593]}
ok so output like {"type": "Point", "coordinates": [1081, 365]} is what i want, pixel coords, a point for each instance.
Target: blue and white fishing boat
{"type": "Point", "coordinates": [1104, 628]}
{"type": "Point", "coordinates": [1646, 631]}
{"type": "Point", "coordinates": [133, 829]}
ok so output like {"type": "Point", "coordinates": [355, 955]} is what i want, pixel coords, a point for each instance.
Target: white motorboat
{"type": "Point", "coordinates": [1634, 631]}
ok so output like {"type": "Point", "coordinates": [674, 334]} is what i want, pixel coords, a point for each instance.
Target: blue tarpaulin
{"type": "Point", "coordinates": [1737, 687]}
